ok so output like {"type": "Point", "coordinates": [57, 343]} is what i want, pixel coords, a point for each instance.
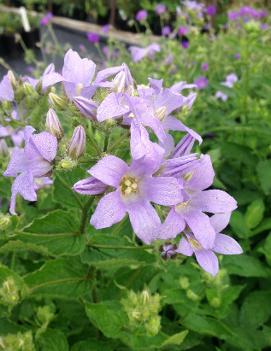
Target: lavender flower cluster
{"type": "Point", "coordinates": [163, 180]}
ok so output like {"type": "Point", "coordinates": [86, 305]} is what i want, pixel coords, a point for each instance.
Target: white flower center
{"type": "Point", "coordinates": [129, 186]}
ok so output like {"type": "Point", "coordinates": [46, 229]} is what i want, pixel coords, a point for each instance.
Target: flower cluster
{"type": "Point", "coordinates": [162, 179]}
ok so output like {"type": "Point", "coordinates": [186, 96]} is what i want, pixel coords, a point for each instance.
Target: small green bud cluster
{"type": "Point", "coordinates": [17, 342]}
{"type": "Point", "coordinates": [143, 311]}
{"type": "Point", "coordinates": [9, 292]}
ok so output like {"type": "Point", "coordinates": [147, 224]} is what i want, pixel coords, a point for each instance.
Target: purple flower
{"type": "Point", "coordinates": [53, 124]}
{"type": "Point", "coordinates": [185, 43]}
{"type": "Point", "coordinates": [233, 15]}
{"type": "Point", "coordinates": [93, 38]}
{"type": "Point", "coordinates": [201, 82]}
{"type": "Point", "coordinates": [166, 31]}
{"type": "Point", "coordinates": [211, 10]}
{"type": "Point", "coordinates": [196, 201]}
{"type": "Point", "coordinates": [231, 79]}
{"type": "Point", "coordinates": [139, 53]}
{"type": "Point", "coordinates": [220, 95]}
{"type": "Point", "coordinates": [168, 251]}
{"type": "Point", "coordinates": [237, 56]}
{"type": "Point", "coordinates": [182, 30]}
{"type": "Point", "coordinates": [77, 75]}
{"type": "Point", "coordinates": [49, 78]}
{"type": "Point", "coordinates": [223, 244]}
{"type": "Point", "coordinates": [30, 166]}
{"type": "Point", "coordinates": [106, 28]}
{"type": "Point", "coordinates": [160, 9]}
{"type": "Point", "coordinates": [141, 15]}
{"type": "Point", "coordinates": [135, 187]}
{"type": "Point", "coordinates": [6, 90]}
{"type": "Point", "coordinates": [204, 66]}
{"type": "Point", "coordinates": [46, 19]}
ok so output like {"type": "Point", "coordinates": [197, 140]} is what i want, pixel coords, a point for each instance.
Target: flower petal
{"type": "Point", "coordinates": [23, 185]}
{"type": "Point", "coordinates": [110, 210]}
{"type": "Point", "coordinates": [163, 190]}
{"type": "Point", "coordinates": [113, 106]}
{"type": "Point", "coordinates": [226, 245]}
{"type": "Point", "coordinates": [173, 225]}
{"type": "Point", "coordinates": [208, 261]}
{"type": "Point", "coordinates": [89, 186]}
{"type": "Point", "coordinates": [201, 227]}
{"type": "Point", "coordinates": [184, 247]}
{"type": "Point", "coordinates": [45, 143]}
{"type": "Point", "coordinates": [17, 163]}
{"type": "Point", "coordinates": [145, 220]}
{"type": "Point", "coordinates": [214, 201]}
{"type": "Point", "coordinates": [202, 175]}
{"type": "Point", "coordinates": [220, 221]}
{"type": "Point", "coordinates": [109, 170]}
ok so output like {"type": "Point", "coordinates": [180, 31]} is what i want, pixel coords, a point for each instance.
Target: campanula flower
{"type": "Point", "coordinates": [139, 53]}
{"type": "Point", "coordinates": [141, 15]}
{"type": "Point", "coordinates": [6, 89]}
{"type": "Point", "coordinates": [31, 165]}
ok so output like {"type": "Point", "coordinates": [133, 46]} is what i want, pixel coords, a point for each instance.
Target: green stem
{"type": "Point", "coordinates": [84, 216]}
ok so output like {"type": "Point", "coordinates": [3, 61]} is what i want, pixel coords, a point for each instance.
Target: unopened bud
{"type": "Point", "coordinates": [28, 89]}
{"type": "Point", "coordinates": [12, 79]}
{"type": "Point", "coordinates": [153, 326]}
{"type": "Point", "coordinates": [184, 283]}
{"type": "Point", "coordinates": [9, 293]}
{"type": "Point", "coordinates": [53, 124]}
{"type": "Point", "coordinates": [4, 151]}
{"type": "Point", "coordinates": [215, 302]}
{"type": "Point", "coordinates": [67, 163]}
{"type": "Point", "coordinates": [86, 106]}
{"type": "Point", "coordinates": [56, 101]}
{"type": "Point", "coordinates": [191, 295]}
{"type": "Point", "coordinates": [4, 221]}
{"type": "Point", "coordinates": [78, 143]}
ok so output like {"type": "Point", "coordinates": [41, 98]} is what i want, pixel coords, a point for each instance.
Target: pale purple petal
{"type": "Point", "coordinates": [110, 210]}
{"type": "Point", "coordinates": [173, 225]}
{"type": "Point", "coordinates": [214, 201]}
{"type": "Point", "coordinates": [45, 143]}
{"type": "Point", "coordinates": [226, 245]}
{"type": "Point", "coordinates": [201, 227]}
{"type": "Point", "coordinates": [184, 247]}
{"type": "Point", "coordinates": [50, 79]}
{"type": "Point", "coordinates": [17, 163]}
{"type": "Point", "coordinates": [109, 170]}
{"type": "Point", "coordinates": [172, 123]}
{"type": "Point", "coordinates": [86, 106]}
{"type": "Point", "coordinates": [202, 176]}
{"type": "Point", "coordinates": [113, 106]}
{"type": "Point", "coordinates": [78, 70]}
{"type": "Point", "coordinates": [89, 186]}
{"type": "Point", "coordinates": [6, 90]}
{"type": "Point", "coordinates": [163, 190]}
{"type": "Point", "coordinates": [208, 261]}
{"type": "Point", "coordinates": [23, 185]}
{"type": "Point", "coordinates": [145, 221]}
{"type": "Point", "coordinates": [220, 221]}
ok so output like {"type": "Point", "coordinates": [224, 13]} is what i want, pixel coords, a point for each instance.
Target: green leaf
{"type": "Point", "coordinates": [176, 339]}
{"type": "Point", "coordinates": [256, 309]}
{"type": "Point", "coordinates": [20, 246]}
{"type": "Point", "coordinates": [254, 213]}
{"type": "Point", "coordinates": [265, 225]}
{"type": "Point", "coordinates": [58, 232]}
{"type": "Point", "coordinates": [239, 225]}
{"type": "Point", "coordinates": [63, 193]}
{"type": "Point", "coordinates": [65, 278]}
{"type": "Point", "coordinates": [264, 174]}
{"type": "Point", "coordinates": [92, 344]}
{"type": "Point", "coordinates": [6, 273]}
{"type": "Point", "coordinates": [53, 340]}
{"type": "Point", "coordinates": [245, 266]}
{"type": "Point", "coordinates": [108, 317]}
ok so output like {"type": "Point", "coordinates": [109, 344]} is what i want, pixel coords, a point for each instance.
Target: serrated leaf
{"type": "Point", "coordinates": [176, 339]}
{"type": "Point", "coordinates": [65, 278]}
{"type": "Point", "coordinates": [58, 231]}
{"type": "Point", "coordinates": [53, 340]}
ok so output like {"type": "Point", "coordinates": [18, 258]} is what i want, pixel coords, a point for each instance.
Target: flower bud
{"type": "Point", "coordinates": [184, 283]}
{"type": "Point", "coordinates": [56, 101]}
{"type": "Point", "coordinates": [191, 295]}
{"type": "Point", "coordinates": [78, 143]}
{"type": "Point", "coordinates": [9, 292]}
{"type": "Point", "coordinates": [28, 89]}
{"type": "Point", "coordinates": [153, 326]}
{"type": "Point", "coordinates": [53, 124]}
{"type": "Point", "coordinates": [12, 79]}
{"type": "Point", "coordinates": [215, 302]}
{"type": "Point", "coordinates": [4, 221]}
{"type": "Point", "coordinates": [86, 106]}
{"type": "Point", "coordinates": [67, 163]}
{"type": "Point", "coordinates": [4, 151]}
